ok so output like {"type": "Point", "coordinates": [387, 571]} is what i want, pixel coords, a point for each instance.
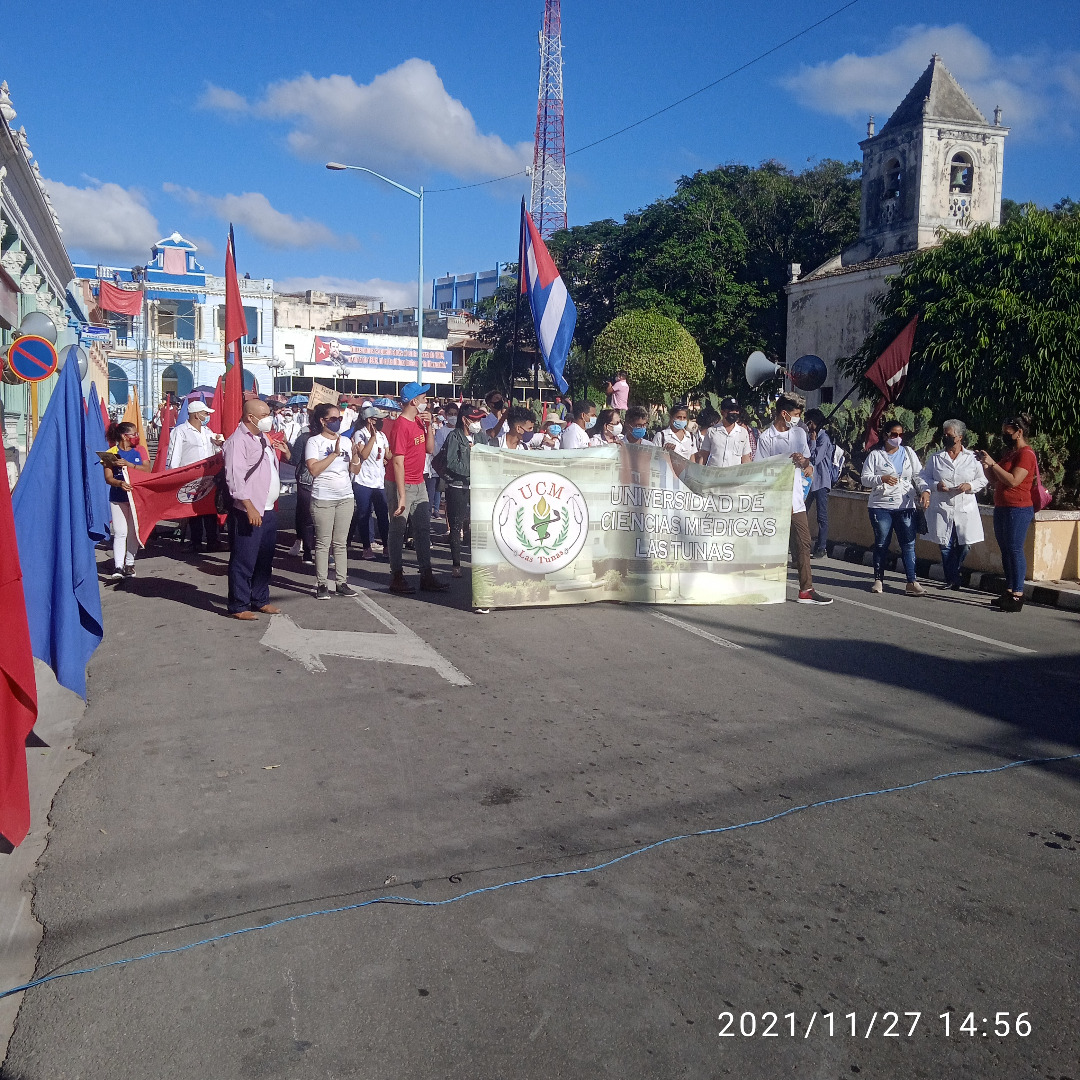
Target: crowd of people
{"type": "Point", "coordinates": [402, 461]}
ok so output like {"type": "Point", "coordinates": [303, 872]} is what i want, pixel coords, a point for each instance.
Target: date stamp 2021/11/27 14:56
{"type": "Point", "coordinates": [885, 1024]}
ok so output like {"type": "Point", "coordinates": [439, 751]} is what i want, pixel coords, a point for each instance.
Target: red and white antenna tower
{"type": "Point", "coordinates": [548, 201]}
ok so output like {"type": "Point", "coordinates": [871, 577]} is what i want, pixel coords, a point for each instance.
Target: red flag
{"type": "Point", "coordinates": [173, 494]}
{"type": "Point", "coordinates": [235, 329]}
{"type": "Point", "coordinates": [889, 373]}
{"type": "Point", "coordinates": [18, 688]}
{"type": "Point", "coordinates": [104, 414]}
{"type": "Point", "coordinates": [123, 301]}
{"type": "Point", "coordinates": [168, 418]}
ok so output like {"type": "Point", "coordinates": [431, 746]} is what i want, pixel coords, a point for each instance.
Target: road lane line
{"type": "Point", "coordinates": [690, 628]}
{"type": "Point", "coordinates": [937, 626]}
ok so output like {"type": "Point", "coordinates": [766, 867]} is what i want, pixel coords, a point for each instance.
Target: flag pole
{"type": "Point", "coordinates": [517, 297]}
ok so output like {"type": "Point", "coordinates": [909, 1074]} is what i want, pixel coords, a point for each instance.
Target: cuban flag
{"type": "Point", "coordinates": [553, 312]}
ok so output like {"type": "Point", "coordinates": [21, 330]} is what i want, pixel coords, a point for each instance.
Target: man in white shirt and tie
{"type": "Point", "coordinates": [190, 442]}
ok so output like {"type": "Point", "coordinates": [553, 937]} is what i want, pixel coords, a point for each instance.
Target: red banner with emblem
{"type": "Point", "coordinates": [174, 494]}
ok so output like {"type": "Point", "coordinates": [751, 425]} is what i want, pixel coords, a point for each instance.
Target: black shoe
{"type": "Point", "coordinates": [309, 559]}
{"type": "Point", "coordinates": [322, 593]}
{"type": "Point", "coordinates": [1012, 603]}
{"type": "Point", "coordinates": [129, 571]}
{"type": "Point", "coordinates": [429, 584]}
{"type": "Point", "coordinates": [345, 590]}
{"type": "Point", "coordinates": [999, 601]}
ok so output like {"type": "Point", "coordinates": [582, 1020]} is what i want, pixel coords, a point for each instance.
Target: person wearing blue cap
{"type": "Point", "coordinates": [411, 441]}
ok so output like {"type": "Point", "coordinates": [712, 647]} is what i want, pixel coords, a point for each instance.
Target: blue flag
{"type": "Point", "coordinates": [51, 506]}
{"type": "Point", "coordinates": [99, 512]}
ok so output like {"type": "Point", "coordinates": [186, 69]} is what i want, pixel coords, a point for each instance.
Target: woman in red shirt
{"type": "Point", "coordinates": [1012, 478]}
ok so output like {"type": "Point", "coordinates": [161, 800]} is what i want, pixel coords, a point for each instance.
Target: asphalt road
{"type": "Point", "coordinates": [228, 787]}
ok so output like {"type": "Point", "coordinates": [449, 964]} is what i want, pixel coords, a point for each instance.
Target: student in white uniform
{"type": "Point", "coordinates": [954, 475]}
{"type": "Point", "coordinates": [785, 439]}
{"type": "Point", "coordinates": [371, 448]}
{"type": "Point", "coordinates": [726, 443]}
{"type": "Point", "coordinates": [575, 436]}
{"type": "Point", "coordinates": [676, 436]}
{"type": "Point", "coordinates": [636, 428]}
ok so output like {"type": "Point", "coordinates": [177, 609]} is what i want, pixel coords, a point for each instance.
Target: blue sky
{"type": "Point", "coordinates": [152, 117]}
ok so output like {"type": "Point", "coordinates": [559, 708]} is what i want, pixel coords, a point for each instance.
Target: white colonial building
{"type": "Point", "coordinates": [935, 167]}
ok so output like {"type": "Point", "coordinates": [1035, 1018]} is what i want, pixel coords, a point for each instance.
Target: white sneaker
{"type": "Point", "coordinates": [915, 589]}
{"type": "Point", "coordinates": [877, 586]}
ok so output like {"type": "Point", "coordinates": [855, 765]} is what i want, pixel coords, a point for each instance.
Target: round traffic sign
{"type": "Point", "coordinates": [32, 358]}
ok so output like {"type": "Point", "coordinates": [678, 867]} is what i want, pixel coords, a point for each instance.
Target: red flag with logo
{"type": "Point", "coordinates": [235, 329]}
{"type": "Point", "coordinates": [122, 301]}
{"type": "Point", "coordinates": [889, 373]}
{"type": "Point", "coordinates": [18, 687]}
{"type": "Point", "coordinates": [174, 494]}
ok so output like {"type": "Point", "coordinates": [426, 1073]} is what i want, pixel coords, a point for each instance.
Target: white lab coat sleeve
{"type": "Point", "coordinates": [917, 481]}
{"type": "Point", "coordinates": [977, 476]}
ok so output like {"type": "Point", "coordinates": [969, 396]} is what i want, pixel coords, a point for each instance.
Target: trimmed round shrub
{"type": "Point", "coordinates": [658, 355]}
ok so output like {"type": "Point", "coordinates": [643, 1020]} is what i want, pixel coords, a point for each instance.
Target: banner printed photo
{"type": "Point", "coordinates": [618, 523]}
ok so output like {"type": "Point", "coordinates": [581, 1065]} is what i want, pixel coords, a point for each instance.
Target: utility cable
{"type": "Point", "coordinates": [667, 108]}
{"type": "Point", "coordinates": [412, 901]}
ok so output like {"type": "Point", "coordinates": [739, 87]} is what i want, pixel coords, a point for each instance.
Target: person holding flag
{"type": "Point", "coordinates": [123, 446]}
{"type": "Point", "coordinates": [190, 442]}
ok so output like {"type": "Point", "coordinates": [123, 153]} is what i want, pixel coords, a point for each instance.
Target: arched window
{"type": "Point", "coordinates": [118, 385]}
{"type": "Point", "coordinates": [177, 380]}
{"type": "Point", "coordinates": [893, 180]}
{"type": "Point", "coordinates": [961, 175]}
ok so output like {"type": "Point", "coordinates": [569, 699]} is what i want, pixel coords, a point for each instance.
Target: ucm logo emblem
{"type": "Point", "coordinates": [540, 522]}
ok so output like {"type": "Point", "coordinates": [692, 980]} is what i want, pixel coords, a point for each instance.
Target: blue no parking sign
{"type": "Point", "coordinates": [32, 358]}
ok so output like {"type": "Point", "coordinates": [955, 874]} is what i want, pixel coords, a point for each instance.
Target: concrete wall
{"type": "Point", "coordinates": [1052, 549]}
{"type": "Point", "coordinates": [830, 316]}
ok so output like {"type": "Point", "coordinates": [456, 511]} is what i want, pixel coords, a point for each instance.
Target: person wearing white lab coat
{"type": "Point", "coordinates": [190, 442]}
{"type": "Point", "coordinates": [954, 475]}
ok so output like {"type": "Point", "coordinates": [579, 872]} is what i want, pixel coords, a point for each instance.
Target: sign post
{"type": "Point", "coordinates": [32, 358]}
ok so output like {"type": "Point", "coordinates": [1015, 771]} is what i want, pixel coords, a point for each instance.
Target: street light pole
{"type": "Point", "coordinates": [336, 166]}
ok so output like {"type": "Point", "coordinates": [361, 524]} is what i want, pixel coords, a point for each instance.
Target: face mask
{"type": "Point", "coordinates": [951, 440]}
{"type": "Point", "coordinates": [451, 421]}
{"type": "Point", "coordinates": [555, 429]}
{"type": "Point", "coordinates": [421, 406]}
{"type": "Point", "coordinates": [640, 432]}
{"type": "Point", "coordinates": [497, 406]}
{"type": "Point", "coordinates": [731, 418]}
{"type": "Point", "coordinates": [133, 439]}
{"type": "Point", "coordinates": [616, 430]}
{"type": "Point", "coordinates": [265, 424]}
{"type": "Point", "coordinates": [333, 425]}
{"type": "Point", "coordinates": [794, 420]}
{"type": "Point", "coordinates": [894, 441]}
{"type": "Point", "coordinates": [1008, 440]}
{"type": "Point", "coordinates": [526, 436]}
{"type": "Point", "coordinates": [475, 427]}
{"type": "Point", "coordinates": [678, 425]}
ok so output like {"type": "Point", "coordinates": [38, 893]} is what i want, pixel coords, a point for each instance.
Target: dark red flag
{"type": "Point", "coordinates": [889, 373]}
{"type": "Point", "coordinates": [235, 329]}
{"type": "Point", "coordinates": [18, 687]}
{"type": "Point", "coordinates": [168, 418]}
{"type": "Point", "coordinates": [123, 301]}
{"type": "Point", "coordinates": [174, 494]}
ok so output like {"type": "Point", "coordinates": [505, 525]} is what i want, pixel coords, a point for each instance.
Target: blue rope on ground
{"type": "Point", "coordinates": [413, 902]}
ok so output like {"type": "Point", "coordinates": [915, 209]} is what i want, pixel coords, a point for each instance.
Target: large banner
{"type": "Point", "coordinates": [624, 523]}
{"type": "Point", "coordinates": [359, 352]}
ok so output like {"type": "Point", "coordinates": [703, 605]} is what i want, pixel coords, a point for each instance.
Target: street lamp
{"type": "Point", "coordinates": [341, 371]}
{"type": "Point", "coordinates": [275, 365]}
{"type": "Point", "coordinates": [336, 166]}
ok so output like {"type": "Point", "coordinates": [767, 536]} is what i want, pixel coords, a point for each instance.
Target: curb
{"type": "Point", "coordinates": [982, 581]}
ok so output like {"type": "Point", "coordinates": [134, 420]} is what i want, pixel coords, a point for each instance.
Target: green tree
{"type": "Point", "coordinates": [493, 371]}
{"type": "Point", "coordinates": [999, 325]}
{"type": "Point", "coordinates": [658, 355]}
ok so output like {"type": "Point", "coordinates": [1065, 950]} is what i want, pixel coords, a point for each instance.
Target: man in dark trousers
{"type": "Point", "coordinates": [251, 473]}
{"type": "Point", "coordinates": [822, 450]}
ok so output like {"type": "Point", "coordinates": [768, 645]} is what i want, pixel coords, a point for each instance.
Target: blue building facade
{"type": "Point", "coordinates": [463, 292]}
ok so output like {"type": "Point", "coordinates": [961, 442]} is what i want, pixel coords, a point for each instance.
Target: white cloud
{"type": "Point", "coordinates": [105, 220]}
{"type": "Point", "coordinates": [218, 97]}
{"type": "Point", "coordinates": [395, 294]}
{"type": "Point", "coordinates": [1028, 88]}
{"type": "Point", "coordinates": [403, 119]}
{"type": "Point", "coordinates": [252, 210]}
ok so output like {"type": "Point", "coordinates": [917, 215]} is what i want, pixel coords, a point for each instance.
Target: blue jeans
{"type": "Point", "coordinates": [1011, 524]}
{"type": "Point", "coordinates": [251, 560]}
{"type": "Point", "coordinates": [885, 523]}
{"type": "Point", "coordinates": [367, 500]}
{"type": "Point", "coordinates": [819, 499]}
{"type": "Point", "coordinates": [953, 555]}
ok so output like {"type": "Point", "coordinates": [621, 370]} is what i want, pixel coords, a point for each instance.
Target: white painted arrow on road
{"type": "Point", "coordinates": [402, 646]}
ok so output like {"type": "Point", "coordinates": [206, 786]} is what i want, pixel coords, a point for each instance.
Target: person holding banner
{"type": "Point", "coordinates": [123, 440]}
{"type": "Point", "coordinates": [520, 427]}
{"type": "Point", "coordinates": [785, 438]}
{"type": "Point", "coordinates": [607, 430]}
{"type": "Point", "coordinates": [676, 436]}
{"type": "Point", "coordinates": [575, 436]}
{"type": "Point", "coordinates": [190, 442]}
{"type": "Point", "coordinates": [637, 427]}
